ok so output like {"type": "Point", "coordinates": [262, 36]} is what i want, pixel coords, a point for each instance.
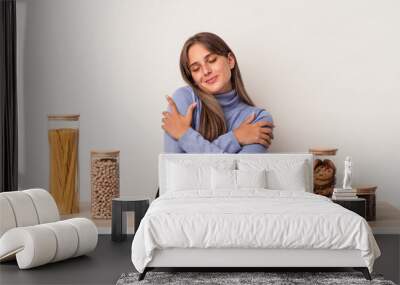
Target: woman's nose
{"type": "Point", "coordinates": [206, 69]}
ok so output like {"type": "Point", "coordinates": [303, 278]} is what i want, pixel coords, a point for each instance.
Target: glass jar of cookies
{"type": "Point", "coordinates": [324, 170]}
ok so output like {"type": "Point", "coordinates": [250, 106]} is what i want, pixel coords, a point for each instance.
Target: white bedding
{"type": "Point", "coordinates": [250, 218]}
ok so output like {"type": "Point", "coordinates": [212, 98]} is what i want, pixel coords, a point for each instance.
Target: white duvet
{"type": "Point", "coordinates": [250, 218]}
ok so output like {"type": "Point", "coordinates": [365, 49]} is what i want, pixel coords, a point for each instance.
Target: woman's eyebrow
{"type": "Point", "coordinates": [205, 57]}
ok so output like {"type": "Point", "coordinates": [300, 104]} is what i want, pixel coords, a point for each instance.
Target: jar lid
{"type": "Point", "coordinates": [323, 151]}
{"type": "Point", "coordinates": [367, 190]}
{"type": "Point", "coordinates": [69, 117]}
{"type": "Point", "coordinates": [111, 152]}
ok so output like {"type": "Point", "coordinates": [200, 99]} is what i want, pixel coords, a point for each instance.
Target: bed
{"type": "Point", "coordinates": [247, 210]}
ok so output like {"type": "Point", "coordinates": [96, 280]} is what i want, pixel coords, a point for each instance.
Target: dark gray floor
{"type": "Point", "coordinates": [111, 259]}
{"type": "Point", "coordinates": [102, 266]}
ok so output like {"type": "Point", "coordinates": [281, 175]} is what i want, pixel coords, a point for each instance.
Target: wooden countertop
{"type": "Point", "coordinates": [387, 219]}
{"type": "Point", "coordinates": [103, 225]}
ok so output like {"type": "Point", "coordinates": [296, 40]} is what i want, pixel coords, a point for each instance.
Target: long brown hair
{"type": "Point", "coordinates": [212, 121]}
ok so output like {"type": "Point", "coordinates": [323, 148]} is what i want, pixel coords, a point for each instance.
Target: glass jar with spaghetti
{"type": "Point", "coordinates": [63, 136]}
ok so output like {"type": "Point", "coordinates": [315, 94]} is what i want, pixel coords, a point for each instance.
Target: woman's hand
{"type": "Point", "coordinates": [174, 123]}
{"type": "Point", "coordinates": [260, 132]}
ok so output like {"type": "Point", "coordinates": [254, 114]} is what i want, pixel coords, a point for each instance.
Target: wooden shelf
{"type": "Point", "coordinates": [387, 219]}
{"type": "Point", "coordinates": [103, 225]}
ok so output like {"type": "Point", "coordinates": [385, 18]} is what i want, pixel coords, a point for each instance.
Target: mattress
{"type": "Point", "coordinates": [250, 219]}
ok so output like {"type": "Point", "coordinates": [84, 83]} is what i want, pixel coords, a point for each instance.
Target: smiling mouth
{"type": "Point", "coordinates": [212, 80]}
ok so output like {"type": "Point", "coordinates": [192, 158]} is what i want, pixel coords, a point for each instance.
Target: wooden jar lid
{"type": "Point", "coordinates": [108, 153]}
{"type": "Point", "coordinates": [323, 151]}
{"type": "Point", "coordinates": [366, 190]}
{"type": "Point", "coordinates": [71, 117]}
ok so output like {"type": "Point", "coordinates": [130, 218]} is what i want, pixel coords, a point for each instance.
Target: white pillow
{"type": "Point", "coordinates": [281, 174]}
{"type": "Point", "coordinates": [287, 179]}
{"type": "Point", "coordinates": [185, 174]}
{"type": "Point", "coordinates": [251, 178]}
{"type": "Point", "coordinates": [237, 179]}
{"type": "Point", "coordinates": [223, 179]}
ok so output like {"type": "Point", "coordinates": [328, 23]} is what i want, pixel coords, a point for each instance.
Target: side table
{"type": "Point", "coordinates": [138, 204]}
{"type": "Point", "coordinates": [356, 205]}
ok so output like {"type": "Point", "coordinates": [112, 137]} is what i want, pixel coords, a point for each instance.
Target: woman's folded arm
{"type": "Point", "coordinates": [263, 116]}
{"type": "Point", "coordinates": [192, 141]}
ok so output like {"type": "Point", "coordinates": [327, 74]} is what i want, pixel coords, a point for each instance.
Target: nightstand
{"type": "Point", "coordinates": [356, 205]}
{"type": "Point", "coordinates": [137, 204]}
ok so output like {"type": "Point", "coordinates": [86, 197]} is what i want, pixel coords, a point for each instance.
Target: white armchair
{"type": "Point", "coordinates": [31, 230]}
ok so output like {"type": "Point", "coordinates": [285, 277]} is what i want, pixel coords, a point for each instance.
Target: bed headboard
{"type": "Point", "coordinates": [164, 158]}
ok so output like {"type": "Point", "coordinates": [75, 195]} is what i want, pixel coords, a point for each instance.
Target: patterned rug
{"type": "Point", "coordinates": [270, 278]}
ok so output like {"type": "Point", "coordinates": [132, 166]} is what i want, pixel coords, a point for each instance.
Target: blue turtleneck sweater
{"type": "Point", "coordinates": [235, 112]}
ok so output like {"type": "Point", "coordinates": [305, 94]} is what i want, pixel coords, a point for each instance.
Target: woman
{"type": "Point", "coordinates": [213, 114]}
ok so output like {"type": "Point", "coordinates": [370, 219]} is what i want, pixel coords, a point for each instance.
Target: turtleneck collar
{"type": "Point", "coordinates": [228, 99]}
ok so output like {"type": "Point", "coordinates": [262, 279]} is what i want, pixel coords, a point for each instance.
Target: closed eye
{"type": "Point", "coordinates": [212, 59]}
{"type": "Point", "coordinates": [194, 68]}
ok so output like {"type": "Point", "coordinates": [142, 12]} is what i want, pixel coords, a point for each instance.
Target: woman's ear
{"type": "Point", "coordinates": [231, 60]}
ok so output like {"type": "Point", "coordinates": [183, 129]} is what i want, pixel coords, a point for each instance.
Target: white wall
{"type": "Point", "coordinates": [328, 71]}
